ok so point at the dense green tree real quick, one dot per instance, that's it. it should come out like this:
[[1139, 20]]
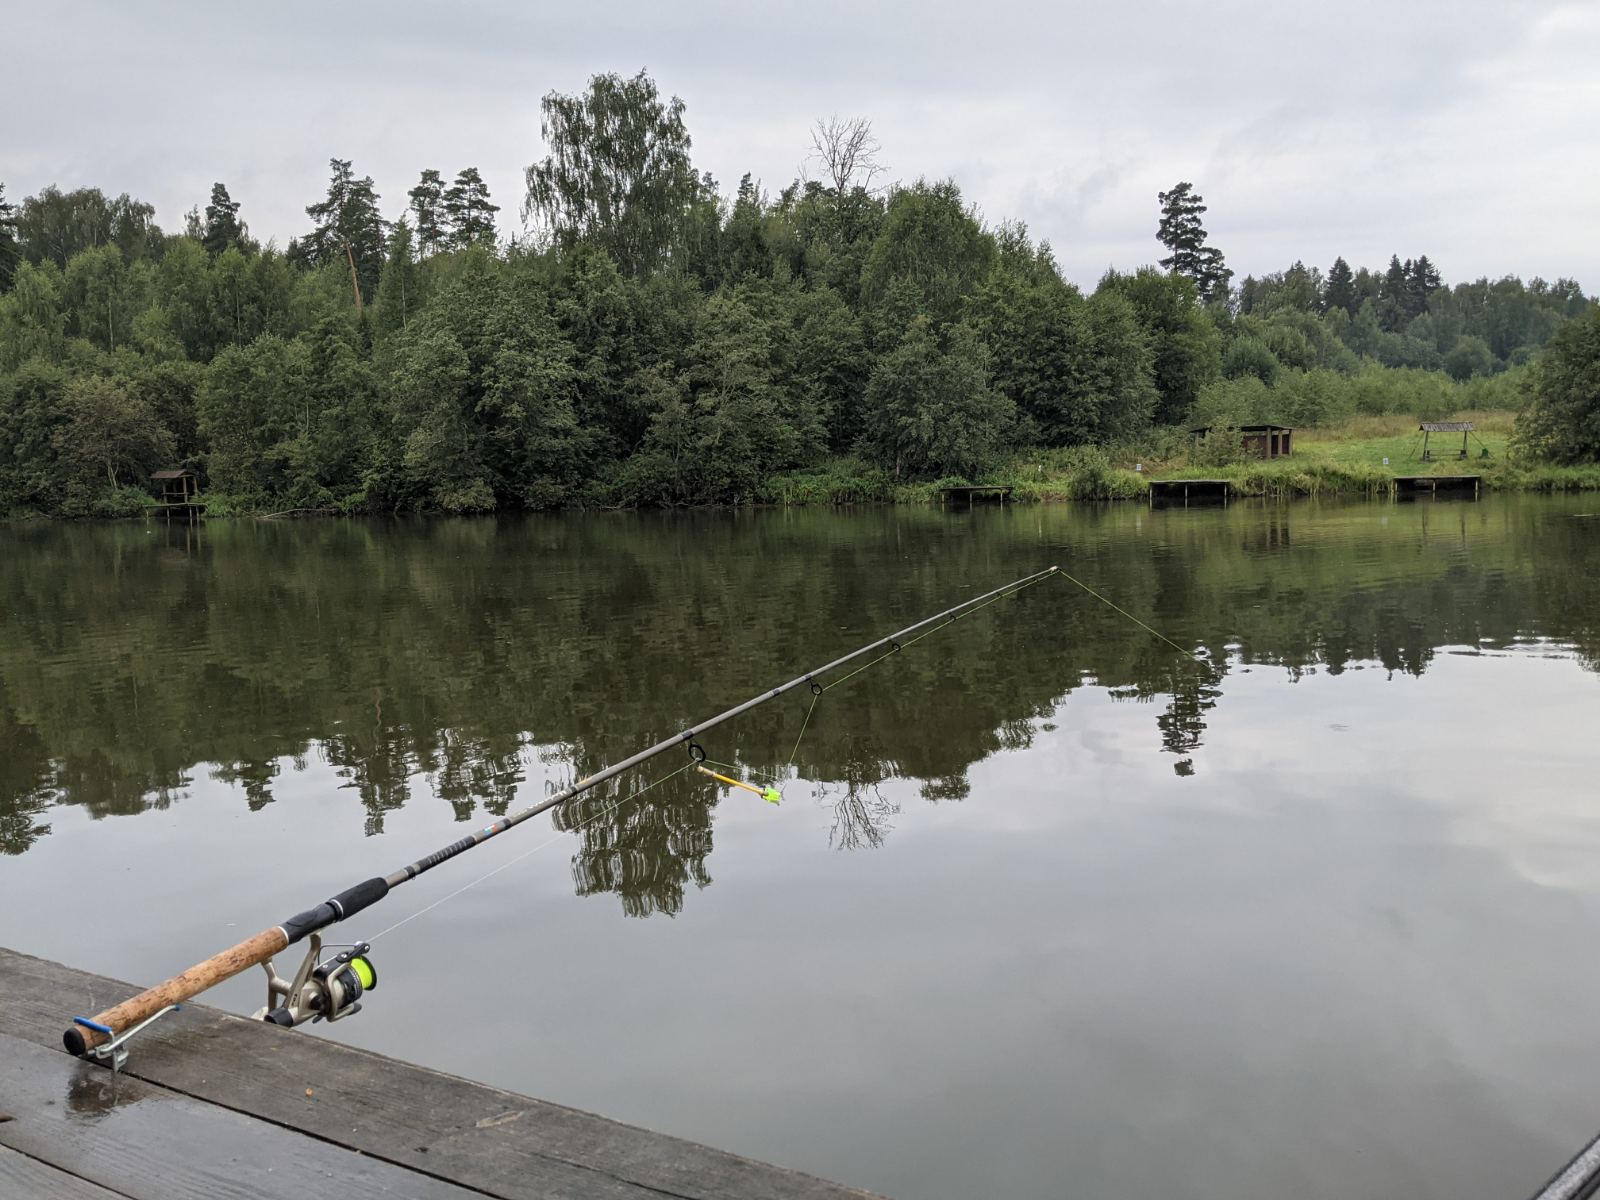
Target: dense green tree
[[1181, 232], [222, 225], [1076, 371], [246, 411], [347, 226], [1251, 355], [931, 249], [1185, 346], [171, 389], [469, 210], [1118, 368], [744, 237], [10, 253], [109, 433], [1469, 356], [824, 239], [33, 319], [31, 412], [481, 398], [724, 421], [618, 172], [831, 364], [184, 284], [236, 304], [326, 453], [56, 226], [102, 297], [402, 287], [1561, 422], [427, 205], [931, 409], [613, 328]]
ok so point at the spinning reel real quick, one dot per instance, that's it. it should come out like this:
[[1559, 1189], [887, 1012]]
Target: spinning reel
[[320, 991]]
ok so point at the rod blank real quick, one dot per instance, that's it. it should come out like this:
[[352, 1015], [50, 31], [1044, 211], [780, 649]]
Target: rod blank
[[79, 1039]]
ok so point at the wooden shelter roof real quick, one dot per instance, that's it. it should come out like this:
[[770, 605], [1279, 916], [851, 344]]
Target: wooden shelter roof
[[1446, 427], [1248, 428], [174, 475]]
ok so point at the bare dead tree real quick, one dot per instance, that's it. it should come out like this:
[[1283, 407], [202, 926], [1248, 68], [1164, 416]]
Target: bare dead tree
[[846, 153], [861, 817]]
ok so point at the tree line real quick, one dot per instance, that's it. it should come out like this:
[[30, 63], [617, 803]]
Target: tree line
[[654, 341]]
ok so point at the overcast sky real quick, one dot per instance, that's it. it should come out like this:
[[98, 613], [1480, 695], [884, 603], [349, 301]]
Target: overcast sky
[[1468, 130]]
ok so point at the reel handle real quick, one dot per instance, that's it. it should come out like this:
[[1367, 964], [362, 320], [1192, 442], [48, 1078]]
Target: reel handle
[[80, 1039]]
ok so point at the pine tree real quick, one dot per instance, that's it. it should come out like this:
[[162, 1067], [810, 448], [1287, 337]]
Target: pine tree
[[1214, 275], [427, 202], [222, 228], [1182, 233], [1341, 290], [348, 226], [467, 207]]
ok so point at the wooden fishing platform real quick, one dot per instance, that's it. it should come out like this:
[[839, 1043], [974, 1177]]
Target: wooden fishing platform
[[179, 512], [215, 1105], [1432, 485], [1183, 491], [965, 495]]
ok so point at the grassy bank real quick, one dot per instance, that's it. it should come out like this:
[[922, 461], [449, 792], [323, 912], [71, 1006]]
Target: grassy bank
[[1361, 456], [1358, 457]]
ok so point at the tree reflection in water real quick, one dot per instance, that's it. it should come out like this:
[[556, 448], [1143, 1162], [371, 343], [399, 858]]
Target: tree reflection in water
[[479, 655]]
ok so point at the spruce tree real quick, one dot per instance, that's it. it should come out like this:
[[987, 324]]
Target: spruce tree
[[348, 218], [1394, 295], [1182, 233], [427, 203], [467, 207], [221, 228], [1422, 279], [1341, 290]]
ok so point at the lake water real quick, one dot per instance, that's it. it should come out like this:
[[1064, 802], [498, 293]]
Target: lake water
[[1048, 909]]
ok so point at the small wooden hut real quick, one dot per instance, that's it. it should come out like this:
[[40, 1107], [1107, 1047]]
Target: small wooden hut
[[1264, 441], [180, 491], [177, 487], [1429, 428]]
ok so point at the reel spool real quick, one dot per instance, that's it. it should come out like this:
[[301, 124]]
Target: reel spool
[[320, 991]]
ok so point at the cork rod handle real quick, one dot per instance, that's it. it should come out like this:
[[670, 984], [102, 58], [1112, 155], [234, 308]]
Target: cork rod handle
[[80, 1039]]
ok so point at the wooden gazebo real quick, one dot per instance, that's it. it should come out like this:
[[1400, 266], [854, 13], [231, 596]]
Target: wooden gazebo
[[180, 491]]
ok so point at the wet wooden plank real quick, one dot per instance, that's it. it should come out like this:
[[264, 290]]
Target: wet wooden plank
[[148, 1143], [23, 1176], [498, 1143]]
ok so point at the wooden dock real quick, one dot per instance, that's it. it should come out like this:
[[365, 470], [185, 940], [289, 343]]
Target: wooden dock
[[1433, 485], [1186, 491], [214, 1105], [966, 495], [180, 512]]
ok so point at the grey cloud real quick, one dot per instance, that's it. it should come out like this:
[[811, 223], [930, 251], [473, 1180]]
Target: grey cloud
[[1359, 128]]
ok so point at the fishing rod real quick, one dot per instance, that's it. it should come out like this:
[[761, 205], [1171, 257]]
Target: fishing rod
[[332, 989]]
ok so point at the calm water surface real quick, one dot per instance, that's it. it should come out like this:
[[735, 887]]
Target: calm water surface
[[1047, 910]]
